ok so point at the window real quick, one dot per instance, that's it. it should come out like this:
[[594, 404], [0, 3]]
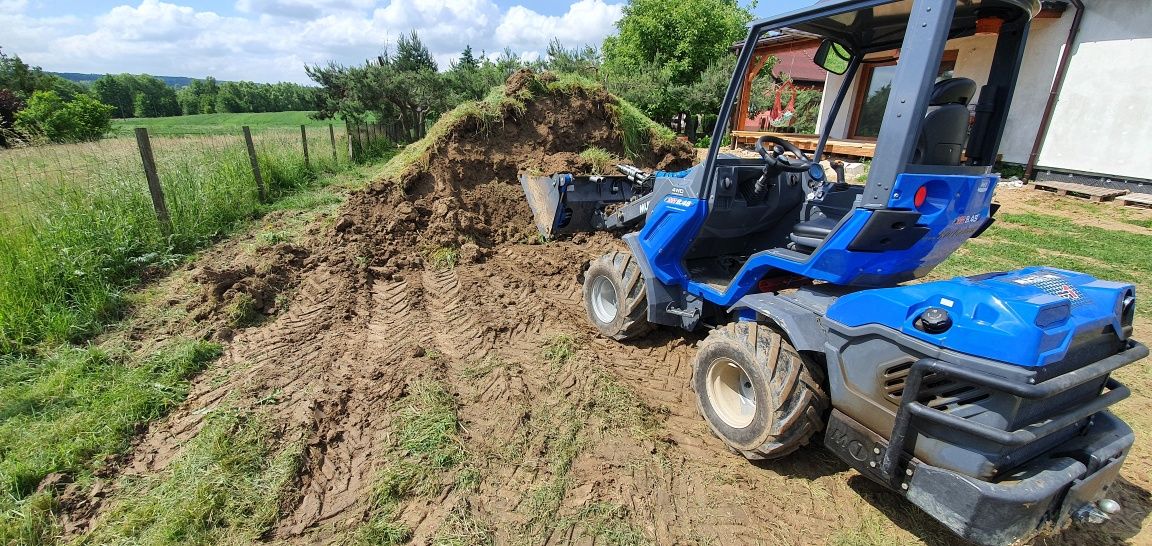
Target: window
[[872, 95]]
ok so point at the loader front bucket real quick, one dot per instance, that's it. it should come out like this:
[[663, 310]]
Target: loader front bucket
[[563, 203], [545, 199]]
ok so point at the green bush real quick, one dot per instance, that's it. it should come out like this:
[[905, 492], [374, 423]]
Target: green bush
[[52, 118]]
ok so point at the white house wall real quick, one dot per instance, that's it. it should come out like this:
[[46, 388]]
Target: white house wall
[[1045, 42], [1101, 122]]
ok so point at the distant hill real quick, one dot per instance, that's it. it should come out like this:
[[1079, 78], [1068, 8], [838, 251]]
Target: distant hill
[[85, 79]]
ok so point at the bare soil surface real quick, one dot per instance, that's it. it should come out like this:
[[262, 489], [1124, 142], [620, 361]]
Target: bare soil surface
[[358, 311]]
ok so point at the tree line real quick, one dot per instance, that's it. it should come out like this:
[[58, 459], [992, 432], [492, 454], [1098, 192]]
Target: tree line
[[144, 96], [687, 69], [36, 105]]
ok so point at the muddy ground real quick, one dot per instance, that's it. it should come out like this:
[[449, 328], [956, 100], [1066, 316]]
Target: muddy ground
[[439, 277]]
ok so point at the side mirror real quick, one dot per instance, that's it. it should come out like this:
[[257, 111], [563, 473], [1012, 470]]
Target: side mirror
[[833, 57]]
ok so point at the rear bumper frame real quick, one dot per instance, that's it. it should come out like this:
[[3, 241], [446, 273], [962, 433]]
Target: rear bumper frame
[[904, 429], [1042, 494]]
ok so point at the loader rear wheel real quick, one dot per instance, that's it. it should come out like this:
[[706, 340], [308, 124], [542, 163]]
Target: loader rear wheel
[[615, 298], [756, 391]]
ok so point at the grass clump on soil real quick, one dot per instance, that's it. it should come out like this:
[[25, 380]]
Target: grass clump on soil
[[464, 528], [600, 161], [610, 407], [226, 488], [427, 452], [444, 257], [562, 444], [558, 350], [639, 131], [68, 413], [607, 523], [77, 228], [485, 112]]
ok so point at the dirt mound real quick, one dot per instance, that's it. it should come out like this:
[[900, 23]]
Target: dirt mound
[[245, 293]]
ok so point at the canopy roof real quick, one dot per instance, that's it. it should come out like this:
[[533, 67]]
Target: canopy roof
[[878, 25]]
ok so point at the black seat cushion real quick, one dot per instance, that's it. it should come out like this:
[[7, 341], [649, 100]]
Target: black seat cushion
[[817, 228]]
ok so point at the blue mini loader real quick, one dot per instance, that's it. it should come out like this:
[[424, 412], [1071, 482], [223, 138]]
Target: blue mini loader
[[982, 400]]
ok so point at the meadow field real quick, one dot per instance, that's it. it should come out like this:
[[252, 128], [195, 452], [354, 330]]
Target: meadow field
[[223, 124]]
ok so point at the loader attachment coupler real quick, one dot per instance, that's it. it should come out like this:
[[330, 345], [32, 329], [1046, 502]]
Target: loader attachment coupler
[[565, 203]]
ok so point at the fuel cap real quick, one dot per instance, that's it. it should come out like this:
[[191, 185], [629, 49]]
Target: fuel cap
[[933, 320]]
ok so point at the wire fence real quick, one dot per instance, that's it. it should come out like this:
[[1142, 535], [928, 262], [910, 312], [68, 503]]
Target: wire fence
[[80, 221]]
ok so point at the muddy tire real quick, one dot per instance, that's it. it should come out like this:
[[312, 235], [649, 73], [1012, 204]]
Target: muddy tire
[[757, 392], [615, 298]]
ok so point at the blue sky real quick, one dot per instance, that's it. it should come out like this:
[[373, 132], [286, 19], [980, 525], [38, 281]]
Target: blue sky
[[271, 40]]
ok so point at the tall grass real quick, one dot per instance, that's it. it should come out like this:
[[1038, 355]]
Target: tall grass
[[77, 225], [68, 412]]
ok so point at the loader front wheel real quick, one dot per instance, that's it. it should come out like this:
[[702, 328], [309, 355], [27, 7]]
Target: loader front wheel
[[615, 298], [756, 391]]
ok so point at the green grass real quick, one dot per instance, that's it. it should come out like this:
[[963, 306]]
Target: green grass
[[639, 131], [444, 257], [558, 350], [78, 228], [600, 161], [224, 124], [607, 523], [1017, 240], [428, 456], [69, 412], [226, 488], [1142, 223]]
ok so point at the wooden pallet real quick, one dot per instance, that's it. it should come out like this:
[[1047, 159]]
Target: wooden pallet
[[1093, 193], [1138, 200]]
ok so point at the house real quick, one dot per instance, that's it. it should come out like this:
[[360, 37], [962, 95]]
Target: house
[[1096, 128]]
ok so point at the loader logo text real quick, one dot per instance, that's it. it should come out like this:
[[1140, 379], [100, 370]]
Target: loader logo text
[[677, 201]]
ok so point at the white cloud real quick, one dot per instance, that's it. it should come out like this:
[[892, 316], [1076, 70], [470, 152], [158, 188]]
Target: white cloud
[[586, 22], [271, 40], [13, 6], [301, 9]]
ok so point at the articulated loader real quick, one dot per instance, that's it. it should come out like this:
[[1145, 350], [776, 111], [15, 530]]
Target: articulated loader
[[982, 400]]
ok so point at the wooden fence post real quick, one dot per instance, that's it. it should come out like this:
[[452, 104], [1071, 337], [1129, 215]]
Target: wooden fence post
[[154, 188], [304, 141], [332, 137], [255, 163], [348, 134]]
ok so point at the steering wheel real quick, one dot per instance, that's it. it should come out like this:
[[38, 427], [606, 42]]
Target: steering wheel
[[775, 159]]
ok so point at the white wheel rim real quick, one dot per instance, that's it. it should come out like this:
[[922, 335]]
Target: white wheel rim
[[604, 302], [731, 394]]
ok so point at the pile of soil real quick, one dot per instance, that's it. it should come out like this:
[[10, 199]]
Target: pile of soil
[[463, 195]]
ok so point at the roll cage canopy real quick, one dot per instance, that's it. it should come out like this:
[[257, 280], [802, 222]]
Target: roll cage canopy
[[869, 26], [920, 29]]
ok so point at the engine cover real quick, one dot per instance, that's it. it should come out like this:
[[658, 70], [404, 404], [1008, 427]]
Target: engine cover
[[1032, 317]]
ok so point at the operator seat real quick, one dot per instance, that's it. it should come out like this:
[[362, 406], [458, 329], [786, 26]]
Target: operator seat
[[942, 137], [945, 128]]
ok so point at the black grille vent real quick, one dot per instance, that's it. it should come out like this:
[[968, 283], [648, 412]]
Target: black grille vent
[[936, 392]]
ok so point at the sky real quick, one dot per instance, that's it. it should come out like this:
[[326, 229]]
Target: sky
[[272, 40]]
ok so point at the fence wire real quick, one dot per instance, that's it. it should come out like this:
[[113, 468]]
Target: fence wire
[[40, 183]]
